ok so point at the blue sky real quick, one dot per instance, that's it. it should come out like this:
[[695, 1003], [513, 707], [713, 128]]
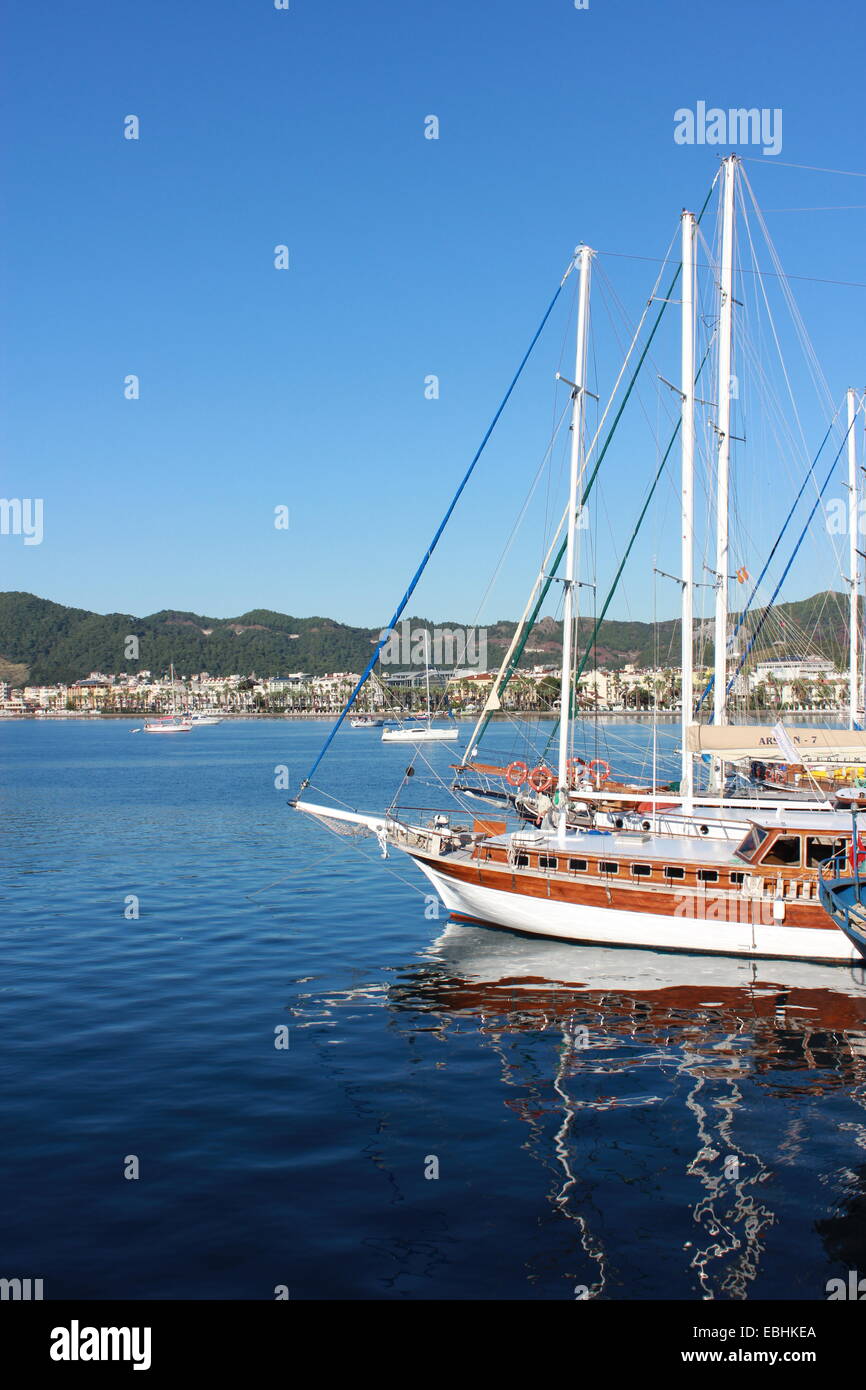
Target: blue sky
[[408, 257]]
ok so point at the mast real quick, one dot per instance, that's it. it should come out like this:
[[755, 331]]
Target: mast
[[584, 259], [854, 563], [687, 388], [427, 670], [723, 427]]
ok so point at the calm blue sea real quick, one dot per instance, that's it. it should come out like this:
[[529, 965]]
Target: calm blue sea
[[459, 1112]]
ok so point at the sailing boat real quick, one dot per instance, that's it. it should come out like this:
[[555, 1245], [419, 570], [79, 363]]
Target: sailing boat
[[423, 731], [173, 723], [752, 891], [723, 810]]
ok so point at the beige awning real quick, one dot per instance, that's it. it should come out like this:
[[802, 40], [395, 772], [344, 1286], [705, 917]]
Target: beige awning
[[733, 741]]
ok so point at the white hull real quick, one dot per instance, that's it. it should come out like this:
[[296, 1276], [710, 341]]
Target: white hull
[[166, 728], [610, 927], [421, 735]]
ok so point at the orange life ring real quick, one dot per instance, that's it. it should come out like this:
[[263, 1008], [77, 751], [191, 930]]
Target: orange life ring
[[541, 779], [516, 773], [860, 856], [599, 763]]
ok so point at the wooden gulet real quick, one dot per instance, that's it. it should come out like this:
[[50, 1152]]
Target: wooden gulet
[[750, 891]]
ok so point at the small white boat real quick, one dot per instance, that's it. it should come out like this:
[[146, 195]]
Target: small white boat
[[364, 721], [173, 723], [199, 717], [418, 728], [422, 733]]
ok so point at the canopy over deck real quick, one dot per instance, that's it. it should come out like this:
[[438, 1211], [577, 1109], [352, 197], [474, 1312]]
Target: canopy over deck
[[734, 741]]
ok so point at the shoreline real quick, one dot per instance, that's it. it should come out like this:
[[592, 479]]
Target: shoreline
[[630, 716]]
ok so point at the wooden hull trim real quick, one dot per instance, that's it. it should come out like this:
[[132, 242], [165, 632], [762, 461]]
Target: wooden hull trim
[[610, 926]]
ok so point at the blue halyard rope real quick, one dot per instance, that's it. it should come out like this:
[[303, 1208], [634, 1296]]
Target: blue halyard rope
[[435, 541]]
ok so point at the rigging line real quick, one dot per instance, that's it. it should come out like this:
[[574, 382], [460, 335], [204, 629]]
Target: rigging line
[[813, 168], [512, 662], [778, 541], [613, 587], [793, 308], [522, 513], [831, 207], [756, 634], [435, 541], [813, 279], [812, 363]]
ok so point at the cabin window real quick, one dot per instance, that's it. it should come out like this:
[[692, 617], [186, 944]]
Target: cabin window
[[522, 861], [674, 871], [708, 875], [756, 837], [606, 867], [547, 861], [737, 878], [785, 850], [820, 848], [577, 865], [641, 870]]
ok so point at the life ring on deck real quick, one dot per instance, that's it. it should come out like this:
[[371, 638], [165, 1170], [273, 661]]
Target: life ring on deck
[[599, 763], [541, 779], [858, 857], [516, 773]]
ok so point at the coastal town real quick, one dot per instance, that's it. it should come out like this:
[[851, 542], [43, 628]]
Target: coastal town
[[808, 684]]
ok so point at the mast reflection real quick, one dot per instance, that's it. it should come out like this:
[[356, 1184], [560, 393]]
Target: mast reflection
[[671, 1038]]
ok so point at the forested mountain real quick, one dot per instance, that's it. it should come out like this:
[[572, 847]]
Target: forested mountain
[[43, 642]]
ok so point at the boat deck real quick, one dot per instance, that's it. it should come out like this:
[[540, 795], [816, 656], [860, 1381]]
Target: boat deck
[[681, 848]]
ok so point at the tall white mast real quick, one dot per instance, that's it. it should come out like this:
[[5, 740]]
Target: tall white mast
[[584, 260], [724, 440], [427, 670], [854, 564], [687, 388]]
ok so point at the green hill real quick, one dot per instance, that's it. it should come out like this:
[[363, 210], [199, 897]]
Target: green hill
[[43, 642]]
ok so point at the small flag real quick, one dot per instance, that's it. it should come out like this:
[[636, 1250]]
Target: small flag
[[742, 574]]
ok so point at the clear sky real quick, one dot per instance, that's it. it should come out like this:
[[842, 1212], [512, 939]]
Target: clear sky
[[407, 257]]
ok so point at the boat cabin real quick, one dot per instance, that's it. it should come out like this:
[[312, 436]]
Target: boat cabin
[[785, 848]]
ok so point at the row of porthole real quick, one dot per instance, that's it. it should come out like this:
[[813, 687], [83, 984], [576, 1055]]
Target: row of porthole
[[609, 867], [648, 825]]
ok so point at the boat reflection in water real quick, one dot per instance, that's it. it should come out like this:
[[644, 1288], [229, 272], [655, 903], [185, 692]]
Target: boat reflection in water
[[689, 1110]]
